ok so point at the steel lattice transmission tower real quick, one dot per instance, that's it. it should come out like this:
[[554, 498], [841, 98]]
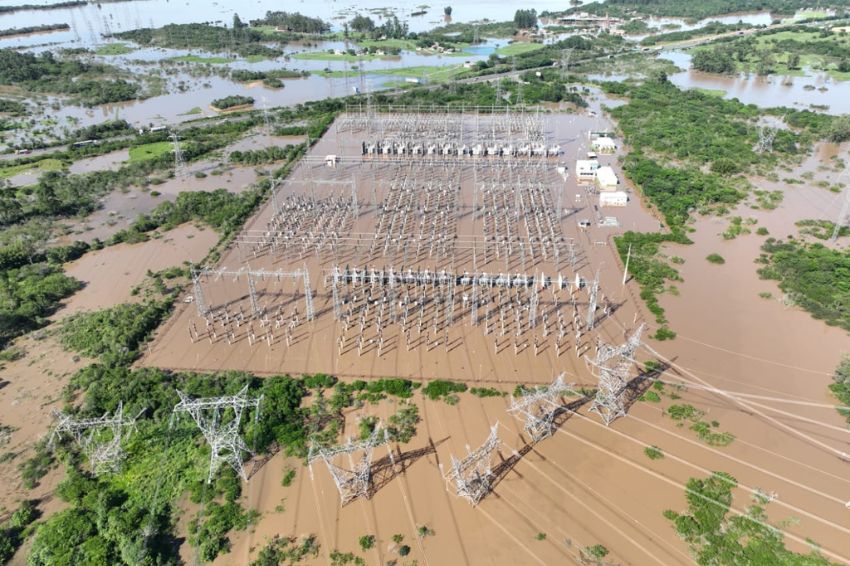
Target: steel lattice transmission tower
[[841, 221], [179, 161], [766, 136], [566, 55], [591, 306], [540, 406], [353, 478], [471, 476], [103, 449], [222, 433], [267, 120], [612, 367]]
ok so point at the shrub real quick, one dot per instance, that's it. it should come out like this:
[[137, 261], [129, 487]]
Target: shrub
[[402, 425], [487, 392], [683, 412], [716, 259], [404, 550], [367, 542], [596, 552], [651, 396], [653, 452], [441, 388]]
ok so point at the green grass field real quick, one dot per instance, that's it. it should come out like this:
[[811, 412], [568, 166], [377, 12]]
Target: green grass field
[[114, 49], [325, 56], [42, 166], [214, 60], [433, 73], [406, 44], [518, 48], [710, 91], [149, 151]]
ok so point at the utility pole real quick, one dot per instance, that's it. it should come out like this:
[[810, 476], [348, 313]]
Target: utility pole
[[626, 269]]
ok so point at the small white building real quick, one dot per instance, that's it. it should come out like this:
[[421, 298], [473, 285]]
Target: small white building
[[586, 169], [606, 178], [604, 144], [613, 198]]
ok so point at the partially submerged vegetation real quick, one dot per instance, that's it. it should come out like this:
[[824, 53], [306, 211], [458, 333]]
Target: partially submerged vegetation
[[784, 51], [86, 82], [243, 41], [692, 11], [235, 101], [812, 276], [692, 150], [715, 537]]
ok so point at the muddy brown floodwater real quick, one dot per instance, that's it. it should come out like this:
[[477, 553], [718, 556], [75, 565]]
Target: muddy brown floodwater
[[588, 484], [30, 388], [109, 274]]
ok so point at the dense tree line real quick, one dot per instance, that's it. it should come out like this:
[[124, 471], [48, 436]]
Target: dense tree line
[[243, 41], [293, 22], [9, 32], [698, 10], [265, 155], [711, 28], [51, 6]]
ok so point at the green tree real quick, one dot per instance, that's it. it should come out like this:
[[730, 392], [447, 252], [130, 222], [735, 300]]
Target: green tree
[[839, 130], [363, 24], [525, 19], [794, 61], [715, 60]]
